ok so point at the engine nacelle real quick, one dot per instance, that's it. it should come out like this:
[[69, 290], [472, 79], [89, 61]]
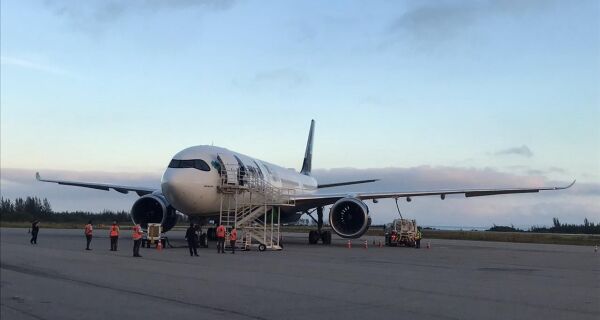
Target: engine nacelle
[[349, 218], [154, 208]]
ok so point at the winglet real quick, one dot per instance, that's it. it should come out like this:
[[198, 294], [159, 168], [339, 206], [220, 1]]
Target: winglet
[[37, 176], [307, 164], [567, 187]]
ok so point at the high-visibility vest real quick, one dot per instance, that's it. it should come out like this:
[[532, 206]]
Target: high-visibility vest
[[114, 231], [419, 235], [233, 235], [88, 229], [220, 232], [137, 232]]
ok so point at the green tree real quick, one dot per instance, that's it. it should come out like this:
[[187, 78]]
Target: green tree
[[46, 207], [556, 222], [6, 206]]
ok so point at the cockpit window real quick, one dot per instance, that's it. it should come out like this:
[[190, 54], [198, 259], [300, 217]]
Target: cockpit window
[[174, 163], [195, 163], [186, 163], [201, 165]]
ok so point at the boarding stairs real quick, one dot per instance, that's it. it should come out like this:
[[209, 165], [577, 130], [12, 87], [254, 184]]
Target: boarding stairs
[[253, 205]]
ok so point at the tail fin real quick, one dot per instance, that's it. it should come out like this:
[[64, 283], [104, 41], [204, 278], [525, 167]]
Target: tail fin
[[307, 164]]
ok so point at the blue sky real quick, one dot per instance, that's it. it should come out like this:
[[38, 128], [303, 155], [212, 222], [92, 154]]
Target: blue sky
[[115, 86]]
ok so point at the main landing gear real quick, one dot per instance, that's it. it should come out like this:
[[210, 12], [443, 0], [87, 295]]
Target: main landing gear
[[315, 235]]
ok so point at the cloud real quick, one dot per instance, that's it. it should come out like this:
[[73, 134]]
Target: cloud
[[571, 206], [550, 171], [31, 65], [436, 22], [92, 15], [519, 151]]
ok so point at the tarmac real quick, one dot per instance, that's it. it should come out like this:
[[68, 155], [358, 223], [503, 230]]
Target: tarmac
[[58, 279]]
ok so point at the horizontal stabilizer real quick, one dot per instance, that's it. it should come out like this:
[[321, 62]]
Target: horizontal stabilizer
[[331, 185]]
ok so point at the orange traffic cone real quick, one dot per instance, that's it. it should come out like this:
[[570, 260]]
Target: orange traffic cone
[[366, 244], [159, 245], [349, 245], [428, 245]]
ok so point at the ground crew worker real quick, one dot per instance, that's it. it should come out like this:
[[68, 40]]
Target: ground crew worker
[[221, 239], [114, 236], [418, 238], [137, 240], [35, 228], [192, 239], [232, 239], [88, 234]]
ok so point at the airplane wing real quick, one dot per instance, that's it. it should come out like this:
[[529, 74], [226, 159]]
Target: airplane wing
[[345, 183], [316, 200], [100, 186]]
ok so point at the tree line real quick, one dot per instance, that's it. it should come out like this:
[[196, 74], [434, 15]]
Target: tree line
[[33, 208], [557, 227]]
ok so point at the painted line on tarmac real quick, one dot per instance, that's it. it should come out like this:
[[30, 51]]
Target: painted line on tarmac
[[29, 314], [42, 274]]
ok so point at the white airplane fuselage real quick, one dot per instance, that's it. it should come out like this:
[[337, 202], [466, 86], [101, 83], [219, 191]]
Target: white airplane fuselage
[[195, 192]]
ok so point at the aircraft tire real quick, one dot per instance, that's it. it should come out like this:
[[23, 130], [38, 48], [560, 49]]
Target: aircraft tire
[[313, 237], [326, 237]]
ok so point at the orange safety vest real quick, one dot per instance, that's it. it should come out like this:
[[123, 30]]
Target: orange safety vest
[[233, 235], [221, 232], [137, 232], [114, 231], [88, 229]]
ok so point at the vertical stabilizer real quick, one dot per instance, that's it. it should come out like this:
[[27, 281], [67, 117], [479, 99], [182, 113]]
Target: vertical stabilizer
[[307, 164]]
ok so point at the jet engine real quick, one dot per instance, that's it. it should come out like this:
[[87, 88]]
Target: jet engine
[[154, 208], [349, 218]]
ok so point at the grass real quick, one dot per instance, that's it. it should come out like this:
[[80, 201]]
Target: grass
[[520, 237]]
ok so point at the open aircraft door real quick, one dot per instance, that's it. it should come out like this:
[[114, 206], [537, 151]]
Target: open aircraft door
[[231, 166]]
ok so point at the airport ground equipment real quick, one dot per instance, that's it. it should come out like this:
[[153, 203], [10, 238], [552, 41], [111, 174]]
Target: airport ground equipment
[[251, 204], [401, 232], [154, 235]]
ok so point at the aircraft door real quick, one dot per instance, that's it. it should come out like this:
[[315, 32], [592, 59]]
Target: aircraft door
[[230, 168], [243, 172]]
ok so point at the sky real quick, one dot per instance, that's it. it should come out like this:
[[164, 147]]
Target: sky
[[422, 94]]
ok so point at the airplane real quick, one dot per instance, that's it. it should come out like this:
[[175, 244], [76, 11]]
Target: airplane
[[190, 185]]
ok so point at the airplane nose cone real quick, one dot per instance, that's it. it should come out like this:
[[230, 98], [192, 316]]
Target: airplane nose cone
[[178, 191]]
